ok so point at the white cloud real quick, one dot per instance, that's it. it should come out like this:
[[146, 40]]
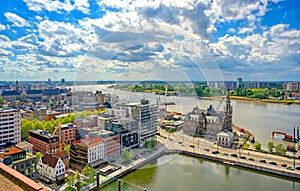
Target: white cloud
[[16, 20], [5, 42], [245, 31], [5, 52], [57, 6], [2, 27]]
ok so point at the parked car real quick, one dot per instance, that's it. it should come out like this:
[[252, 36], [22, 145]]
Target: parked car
[[297, 167], [283, 165], [263, 161], [206, 149], [225, 154], [289, 168], [233, 155], [273, 163], [242, 157], [215, 152], [252, 159]]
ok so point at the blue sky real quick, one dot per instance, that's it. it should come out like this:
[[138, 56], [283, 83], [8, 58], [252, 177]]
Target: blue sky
[[150, 40]]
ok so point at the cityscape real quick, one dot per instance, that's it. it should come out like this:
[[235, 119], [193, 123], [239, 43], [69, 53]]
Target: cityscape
[[149, 95]]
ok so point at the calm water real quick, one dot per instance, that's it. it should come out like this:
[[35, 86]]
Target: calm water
[[259, 118], [184, 173]]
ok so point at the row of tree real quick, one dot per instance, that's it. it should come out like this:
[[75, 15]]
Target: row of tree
[[277, 149], [27, 125]]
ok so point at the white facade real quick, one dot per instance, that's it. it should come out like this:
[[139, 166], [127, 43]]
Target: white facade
[[51, 172], [10, 128], [225, 139], [96, 152]]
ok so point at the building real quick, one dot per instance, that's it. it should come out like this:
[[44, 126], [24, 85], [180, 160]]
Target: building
[[19, 160], [11, 95], [43, 142], [34, 95], [51, 169], [225, 139], [13, 180], [210, 121], [24, 145], [87, 151], [10, 128], [66, 134], [292, 86], [39, 114], [146, 115], [112, 146], [239, 82]]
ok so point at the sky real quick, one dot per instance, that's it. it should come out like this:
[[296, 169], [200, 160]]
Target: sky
[[150, 40]]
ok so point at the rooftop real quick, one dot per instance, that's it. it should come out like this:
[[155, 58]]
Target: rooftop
[[12, 150], [50, 160], [23, 145]]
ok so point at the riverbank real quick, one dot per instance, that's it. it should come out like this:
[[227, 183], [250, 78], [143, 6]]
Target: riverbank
[[287, 102], [256, 166]]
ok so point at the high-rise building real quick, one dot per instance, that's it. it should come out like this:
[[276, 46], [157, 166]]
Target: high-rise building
[[147, 116], [239, 82], [10, 129]]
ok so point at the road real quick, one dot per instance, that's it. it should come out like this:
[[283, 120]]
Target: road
[[204, 146]]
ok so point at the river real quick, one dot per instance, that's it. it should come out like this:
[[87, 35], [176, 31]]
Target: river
[[185, 173], [260, 118]]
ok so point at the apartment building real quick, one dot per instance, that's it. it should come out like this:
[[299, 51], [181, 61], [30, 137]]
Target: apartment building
[[20, 160], [43, 142], [87, 151], [10, 128]]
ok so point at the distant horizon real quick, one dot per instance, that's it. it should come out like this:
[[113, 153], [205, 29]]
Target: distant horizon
[[58, 81]]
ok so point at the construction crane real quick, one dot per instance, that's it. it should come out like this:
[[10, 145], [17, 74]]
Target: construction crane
[[58, 129], [165, 103]]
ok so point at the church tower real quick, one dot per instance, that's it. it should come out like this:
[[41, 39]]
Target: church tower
[[228, 114]]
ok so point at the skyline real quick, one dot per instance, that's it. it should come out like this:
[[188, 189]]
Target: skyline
[[148, 40]]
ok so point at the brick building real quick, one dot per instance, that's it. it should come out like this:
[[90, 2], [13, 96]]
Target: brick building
[[43, 142]]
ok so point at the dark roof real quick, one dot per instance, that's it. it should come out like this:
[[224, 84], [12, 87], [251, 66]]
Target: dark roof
[[34, 92], [62, 155], [50, 160], [10, 93]]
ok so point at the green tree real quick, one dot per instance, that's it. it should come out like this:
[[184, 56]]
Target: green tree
[[279, 149], [67, 149], [38, 156], [70, 180], [258, 146], [86, 170], [271, 146], [153, 144], [127, 155]]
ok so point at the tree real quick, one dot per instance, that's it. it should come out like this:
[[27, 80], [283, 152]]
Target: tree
[[38, 156], [279, 149], [86, 170], [67, 149], [258, 146], [127, 155], [270, 146], [153, 144], [70, 182]]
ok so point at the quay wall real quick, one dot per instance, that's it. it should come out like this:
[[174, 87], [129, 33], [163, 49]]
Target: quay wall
[[240, 163]]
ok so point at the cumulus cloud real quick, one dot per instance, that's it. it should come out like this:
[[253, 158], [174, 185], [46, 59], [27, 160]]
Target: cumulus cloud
[[5, 52], [57, 6], [15, 19]]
